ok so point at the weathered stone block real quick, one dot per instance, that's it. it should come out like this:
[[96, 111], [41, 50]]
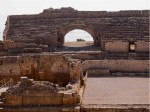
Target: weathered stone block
[[13, 100], [67, 99], [98, 72], [142, 46], [117, 46]]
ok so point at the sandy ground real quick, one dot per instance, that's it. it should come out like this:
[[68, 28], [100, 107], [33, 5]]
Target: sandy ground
[[78, 44], [122, 90]]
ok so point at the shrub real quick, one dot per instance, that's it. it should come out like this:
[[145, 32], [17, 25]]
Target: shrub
[[78, 40]]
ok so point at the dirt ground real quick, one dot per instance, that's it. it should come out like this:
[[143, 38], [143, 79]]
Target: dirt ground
[[119, 90], [78, 44]]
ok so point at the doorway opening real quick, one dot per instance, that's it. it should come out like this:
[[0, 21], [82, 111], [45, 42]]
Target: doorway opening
[[132, 46], [78, 38]]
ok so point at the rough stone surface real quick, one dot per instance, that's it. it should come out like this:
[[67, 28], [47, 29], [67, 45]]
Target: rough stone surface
[[29, 92], [54, 77], [55, 68], [49, 28]]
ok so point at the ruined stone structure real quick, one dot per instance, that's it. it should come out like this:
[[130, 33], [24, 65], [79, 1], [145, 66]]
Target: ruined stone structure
[[108, 29], [56, 78]]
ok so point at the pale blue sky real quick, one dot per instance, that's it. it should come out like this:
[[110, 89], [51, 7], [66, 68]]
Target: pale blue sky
[[13, 7]]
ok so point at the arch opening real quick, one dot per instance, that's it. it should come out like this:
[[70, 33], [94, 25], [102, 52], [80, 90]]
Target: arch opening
[[78, 38]]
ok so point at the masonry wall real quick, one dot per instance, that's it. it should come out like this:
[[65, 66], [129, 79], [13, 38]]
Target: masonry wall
[[118, 65], [124, 46], [59, 69], [15, 67], [9, 70], [54, 68], [50, 27], [29, 92], [117, 46], [142, 46]]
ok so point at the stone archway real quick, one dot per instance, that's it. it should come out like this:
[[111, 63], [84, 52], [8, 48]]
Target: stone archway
[[78, 38], [62, 31]]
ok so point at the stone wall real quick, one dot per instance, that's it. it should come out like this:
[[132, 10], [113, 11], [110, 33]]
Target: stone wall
[[50, 27], [118, 65], [124, 46], [61, 70], [29, 92], [117, 46], [98, 72], [142, 46], [43, 109], [109, 55], [9, 47], [15, 67], [55, 68]]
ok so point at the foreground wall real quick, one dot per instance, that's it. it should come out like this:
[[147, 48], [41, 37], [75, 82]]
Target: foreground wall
[[118, 65], [59, 69], [54, 68], [29, 92]]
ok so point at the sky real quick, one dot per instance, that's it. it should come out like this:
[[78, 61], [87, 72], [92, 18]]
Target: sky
[[13, 7], [73, 35]]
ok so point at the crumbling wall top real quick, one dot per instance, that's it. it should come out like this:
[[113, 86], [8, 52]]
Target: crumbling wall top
[[63, 9]]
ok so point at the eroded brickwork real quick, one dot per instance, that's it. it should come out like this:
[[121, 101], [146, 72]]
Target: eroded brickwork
[[54, 68], [53, 80], [50, 27], [29, 92]]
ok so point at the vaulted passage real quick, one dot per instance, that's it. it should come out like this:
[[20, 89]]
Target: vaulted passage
[[78, 38]]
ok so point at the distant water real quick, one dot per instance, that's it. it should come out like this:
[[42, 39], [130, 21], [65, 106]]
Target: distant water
[[72, 36]]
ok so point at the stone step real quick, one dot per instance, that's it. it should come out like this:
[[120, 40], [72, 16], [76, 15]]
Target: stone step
[[31, 45], [144, 56], [25, 41], [115, 108], [31, 50]]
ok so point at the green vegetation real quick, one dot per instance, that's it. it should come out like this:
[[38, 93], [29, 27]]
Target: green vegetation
[[78, 40]]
